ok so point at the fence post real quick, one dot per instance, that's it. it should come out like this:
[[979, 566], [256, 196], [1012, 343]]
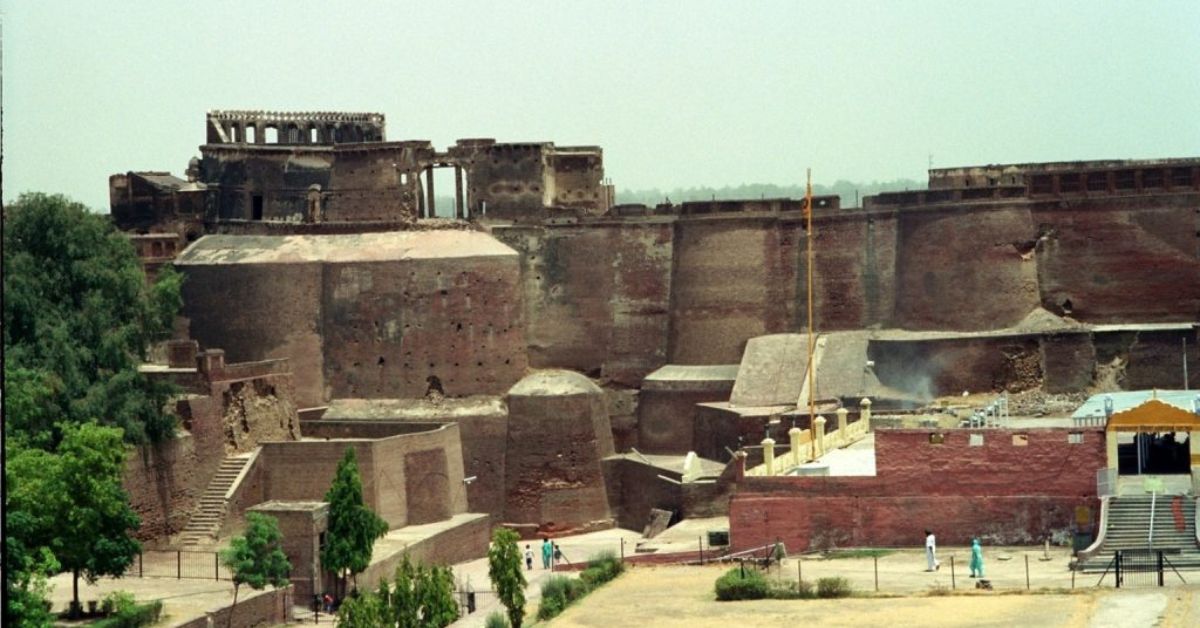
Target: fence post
[[178, 565], [952, 584], [877, 574], [216, 566], [622, 550], [1118, 574], [1027, 572], [140, 565], [1073, 579], [700, 543], [799, 573]]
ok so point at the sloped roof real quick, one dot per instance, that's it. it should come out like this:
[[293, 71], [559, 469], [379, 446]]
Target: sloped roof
[[342, 248]]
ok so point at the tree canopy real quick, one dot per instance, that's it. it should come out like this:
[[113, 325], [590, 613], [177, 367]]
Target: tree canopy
[[353, 527], [256, 558], [78, 317], [73, 504], [504, 570]]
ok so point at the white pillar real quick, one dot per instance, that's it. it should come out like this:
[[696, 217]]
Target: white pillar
[[819, 435], [864, 408], [843, 434], [768, 445], [794, 439]]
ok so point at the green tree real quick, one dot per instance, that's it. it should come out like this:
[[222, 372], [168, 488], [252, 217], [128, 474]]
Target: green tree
[[439, 608], [404, 605], [363, 610], [72, 503], [255, 558], [504, 570], [353, 527], [27, 559], [78, 317]]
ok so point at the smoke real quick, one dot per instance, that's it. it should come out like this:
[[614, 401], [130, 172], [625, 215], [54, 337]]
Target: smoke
[[906, 369]]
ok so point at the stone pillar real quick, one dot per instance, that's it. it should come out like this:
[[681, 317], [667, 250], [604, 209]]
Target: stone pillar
[[794, 440], [864, 408], [1110, 448], [819, 436], [430, 206], [843, 435], [458, 192], [1194, 437], [768, 445]]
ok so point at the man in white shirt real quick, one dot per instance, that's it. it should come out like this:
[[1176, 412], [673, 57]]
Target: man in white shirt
[[931, 560]]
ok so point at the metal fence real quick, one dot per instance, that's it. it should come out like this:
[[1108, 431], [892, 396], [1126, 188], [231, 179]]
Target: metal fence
[[1132, 568], [179, 564]]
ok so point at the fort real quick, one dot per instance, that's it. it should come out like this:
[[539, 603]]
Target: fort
[[586, 362]]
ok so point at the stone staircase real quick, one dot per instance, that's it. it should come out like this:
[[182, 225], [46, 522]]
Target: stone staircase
[[206, 522], [1128, 528]]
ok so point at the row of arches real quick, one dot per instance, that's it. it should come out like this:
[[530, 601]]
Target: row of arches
[[299, 133]]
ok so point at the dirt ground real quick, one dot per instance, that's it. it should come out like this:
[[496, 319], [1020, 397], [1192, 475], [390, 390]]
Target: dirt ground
[[683, 596]]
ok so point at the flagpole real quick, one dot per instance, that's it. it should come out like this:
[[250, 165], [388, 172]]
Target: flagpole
[[812, 413]]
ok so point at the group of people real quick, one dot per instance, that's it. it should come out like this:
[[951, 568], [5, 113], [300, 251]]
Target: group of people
[[551, 554], [931, 561]]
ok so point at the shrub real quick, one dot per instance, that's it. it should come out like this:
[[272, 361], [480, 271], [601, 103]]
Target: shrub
[[788, 590], [558, 593], [133, 617], [118, 602], [601, 568], [496, 620], [833, 587], [739, 584]]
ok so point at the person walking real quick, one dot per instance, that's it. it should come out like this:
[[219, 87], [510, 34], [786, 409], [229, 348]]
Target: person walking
[[976, 559], [931, 561], [547, 553], [528, 558]]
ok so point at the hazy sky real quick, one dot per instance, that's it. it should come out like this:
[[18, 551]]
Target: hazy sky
[[677, 93]]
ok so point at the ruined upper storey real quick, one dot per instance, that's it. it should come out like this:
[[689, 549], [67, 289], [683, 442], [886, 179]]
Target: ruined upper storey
[[1049, 180], [278, 172], [291, 128]]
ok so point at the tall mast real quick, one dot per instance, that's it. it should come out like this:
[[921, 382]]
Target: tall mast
[[812, 413]]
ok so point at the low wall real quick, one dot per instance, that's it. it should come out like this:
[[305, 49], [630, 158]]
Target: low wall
[[271, 607], [465, 541], [163, 481], [1005, 486]]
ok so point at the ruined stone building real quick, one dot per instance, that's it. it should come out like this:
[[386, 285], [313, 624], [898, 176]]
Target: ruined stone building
[[537, 315]]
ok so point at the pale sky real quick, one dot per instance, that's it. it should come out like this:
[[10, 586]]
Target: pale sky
[[677, 93]]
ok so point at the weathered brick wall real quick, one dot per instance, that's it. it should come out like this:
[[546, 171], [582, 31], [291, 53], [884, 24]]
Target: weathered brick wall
[[558, 433], [1121, 259], [729, 284], [388, 327], [949, 276], [304, 470], [163, 482], [635, 487], [260, 311], [1004, 492], [270, 607], [596, 296]]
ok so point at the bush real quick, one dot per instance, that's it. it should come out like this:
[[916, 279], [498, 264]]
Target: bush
[[133, 617], [118, 602], [739, 584], [496, 619], [558, 593], [601, 568], [787, 590], [833, 587]]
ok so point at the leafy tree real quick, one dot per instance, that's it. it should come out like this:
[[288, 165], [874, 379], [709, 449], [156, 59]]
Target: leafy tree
[[72, 503], [78, 317], [364, 610], [423, 597], [504, 570], [256, 558], [353, 527], [26, 567], [439, 607]]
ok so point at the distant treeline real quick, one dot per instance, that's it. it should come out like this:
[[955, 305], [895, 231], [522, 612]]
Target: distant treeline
[[847, 190]]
